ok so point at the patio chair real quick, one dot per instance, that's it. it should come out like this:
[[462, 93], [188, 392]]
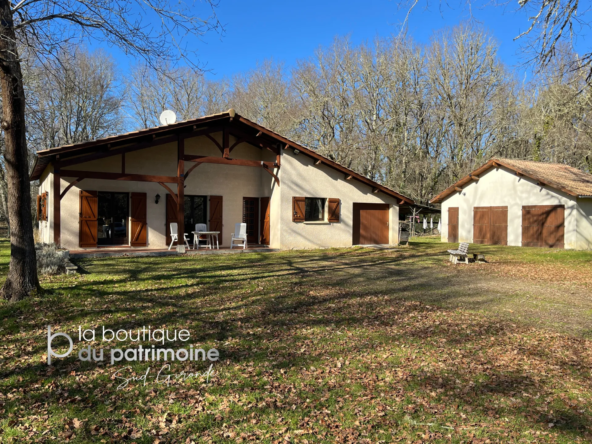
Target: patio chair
[[200, 227], [175, 237], [240, 235]]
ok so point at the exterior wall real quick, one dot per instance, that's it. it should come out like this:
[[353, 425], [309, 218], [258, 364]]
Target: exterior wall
[[298, 177], [502, 187], [584, 224], [301, 177], [231, 182]]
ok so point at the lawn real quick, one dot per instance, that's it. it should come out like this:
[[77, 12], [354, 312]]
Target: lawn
[[344, 345]]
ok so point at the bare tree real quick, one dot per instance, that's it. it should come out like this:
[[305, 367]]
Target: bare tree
[[553, 23], [143, 28]]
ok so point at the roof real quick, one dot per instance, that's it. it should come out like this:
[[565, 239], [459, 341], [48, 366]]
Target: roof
[[45, 157], [561, 177]]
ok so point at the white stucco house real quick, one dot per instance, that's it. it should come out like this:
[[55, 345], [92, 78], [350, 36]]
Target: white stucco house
[[125, 191], [519, 203]]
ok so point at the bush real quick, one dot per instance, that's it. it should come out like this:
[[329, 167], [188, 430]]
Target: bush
[[50, 260]]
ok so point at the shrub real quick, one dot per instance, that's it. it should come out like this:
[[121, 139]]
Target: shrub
[[50, 260]]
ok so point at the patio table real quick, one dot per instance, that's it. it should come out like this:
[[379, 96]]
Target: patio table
[[210, 237]]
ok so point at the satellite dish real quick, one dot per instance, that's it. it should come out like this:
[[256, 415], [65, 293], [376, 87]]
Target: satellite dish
[[167, 117]]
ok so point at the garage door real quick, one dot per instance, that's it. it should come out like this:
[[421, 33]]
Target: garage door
[[371, 224], [543, 226], [490, 225]]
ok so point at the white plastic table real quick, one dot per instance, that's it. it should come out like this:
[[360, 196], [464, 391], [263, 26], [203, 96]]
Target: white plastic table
[[210, 237]]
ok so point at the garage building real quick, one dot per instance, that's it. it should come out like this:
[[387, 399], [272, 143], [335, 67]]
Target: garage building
[[519, 203]]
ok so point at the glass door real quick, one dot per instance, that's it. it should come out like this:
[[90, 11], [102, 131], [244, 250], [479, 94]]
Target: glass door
[[195, 212], [113, 217]]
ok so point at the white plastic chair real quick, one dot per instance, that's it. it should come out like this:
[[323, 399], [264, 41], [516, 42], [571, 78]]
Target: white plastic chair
[[175, 237], [200, 227], [240, 235]]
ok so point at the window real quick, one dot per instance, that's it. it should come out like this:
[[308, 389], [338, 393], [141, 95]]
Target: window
[[314, 209], [195, 212]]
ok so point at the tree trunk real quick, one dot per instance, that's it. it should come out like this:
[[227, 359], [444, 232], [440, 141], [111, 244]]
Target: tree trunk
[[22, 275]]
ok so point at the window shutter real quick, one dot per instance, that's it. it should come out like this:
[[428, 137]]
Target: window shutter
[[334, 210], [39, 207], [298, 209], [44, 206]]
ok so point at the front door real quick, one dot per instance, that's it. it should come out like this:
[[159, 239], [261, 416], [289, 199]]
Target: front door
[[251, 218], [265, 221]]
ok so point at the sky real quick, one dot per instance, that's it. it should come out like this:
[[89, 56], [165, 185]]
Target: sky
[[288, 30]]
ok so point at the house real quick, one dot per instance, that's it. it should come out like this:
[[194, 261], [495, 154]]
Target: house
[[519, 203], [218, 170]]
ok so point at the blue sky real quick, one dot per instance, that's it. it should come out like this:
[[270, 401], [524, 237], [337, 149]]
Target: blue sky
[[290, 30]]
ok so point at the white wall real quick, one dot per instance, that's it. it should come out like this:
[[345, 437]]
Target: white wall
[[301, 177], [501, 187], [584, 224]]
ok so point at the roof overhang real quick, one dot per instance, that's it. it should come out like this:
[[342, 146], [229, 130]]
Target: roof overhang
[[46, 157]]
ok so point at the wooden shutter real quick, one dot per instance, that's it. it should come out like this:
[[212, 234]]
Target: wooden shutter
[[139, 227], [216, 215], [298, 206], [334, 210], [453, 224], [44, 206], [265, 221], [171, 216], [89, 203]]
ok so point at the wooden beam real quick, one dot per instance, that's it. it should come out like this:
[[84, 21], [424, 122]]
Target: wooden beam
[[402, 202], [57, 223], [172, 193], [209, 136], [191, 169], [226, 143], [287, 146], [181, 193], [458, 189], [253, 140], [115, 152], [227, 161], [259, 134], [375, 190], [70, 186], [233, 146], [475, 178], [318, 162], [277, 180], [348, 177], [118, 176]]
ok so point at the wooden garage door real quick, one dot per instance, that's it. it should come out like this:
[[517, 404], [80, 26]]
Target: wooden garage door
[[453, 224], [370, 224], [490, 225], [543, 226]]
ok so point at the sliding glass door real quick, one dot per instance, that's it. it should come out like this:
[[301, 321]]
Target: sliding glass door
[[113, 217]]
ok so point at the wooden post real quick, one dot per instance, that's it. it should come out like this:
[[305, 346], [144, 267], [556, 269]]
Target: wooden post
[[56, 206], [181, 195], [225, 143]]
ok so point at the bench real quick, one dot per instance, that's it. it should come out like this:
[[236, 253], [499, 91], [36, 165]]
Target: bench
[[462, 254]]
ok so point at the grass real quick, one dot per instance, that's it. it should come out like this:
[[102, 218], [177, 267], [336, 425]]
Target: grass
[[316, 346]]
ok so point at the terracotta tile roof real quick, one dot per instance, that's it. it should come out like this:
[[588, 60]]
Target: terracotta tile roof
[[561, 177]]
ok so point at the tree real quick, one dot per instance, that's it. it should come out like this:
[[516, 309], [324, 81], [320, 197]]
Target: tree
[[553, 23], [143, 28]]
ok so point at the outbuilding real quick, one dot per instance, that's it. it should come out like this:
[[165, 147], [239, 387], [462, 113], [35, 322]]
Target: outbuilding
[[519, 203]]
